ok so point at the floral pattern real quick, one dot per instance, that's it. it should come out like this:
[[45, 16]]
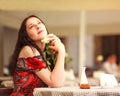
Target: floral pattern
[[25, 79]]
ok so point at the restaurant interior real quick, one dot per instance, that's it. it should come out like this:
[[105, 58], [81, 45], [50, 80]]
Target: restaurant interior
[[88, 29]]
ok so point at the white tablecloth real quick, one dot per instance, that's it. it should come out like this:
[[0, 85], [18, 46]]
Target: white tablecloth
[[76, 91]]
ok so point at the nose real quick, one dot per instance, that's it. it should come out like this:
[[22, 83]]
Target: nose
[[37, 26]]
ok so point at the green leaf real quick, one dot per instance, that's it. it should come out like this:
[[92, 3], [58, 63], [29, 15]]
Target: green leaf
[[49, 57]]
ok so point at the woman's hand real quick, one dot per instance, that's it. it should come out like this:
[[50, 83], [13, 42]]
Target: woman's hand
[[54, 78], [55, 43]]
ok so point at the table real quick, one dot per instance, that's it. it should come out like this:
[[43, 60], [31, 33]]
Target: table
[[76, 91]]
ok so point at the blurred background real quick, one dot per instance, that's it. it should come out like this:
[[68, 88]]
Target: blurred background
[[88, 28]]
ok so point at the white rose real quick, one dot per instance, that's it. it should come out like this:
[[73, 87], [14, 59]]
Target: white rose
[[45, 40]]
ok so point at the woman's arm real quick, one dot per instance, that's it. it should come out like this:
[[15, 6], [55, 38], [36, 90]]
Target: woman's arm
[[56, 77]]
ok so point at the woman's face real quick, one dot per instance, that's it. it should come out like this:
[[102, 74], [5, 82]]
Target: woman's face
[[36, 29], [113, 59]]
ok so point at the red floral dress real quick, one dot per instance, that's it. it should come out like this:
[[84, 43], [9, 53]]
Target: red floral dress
[[25, 79]]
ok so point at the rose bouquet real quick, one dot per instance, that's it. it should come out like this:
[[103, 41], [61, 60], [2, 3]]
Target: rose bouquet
[[48, 55]]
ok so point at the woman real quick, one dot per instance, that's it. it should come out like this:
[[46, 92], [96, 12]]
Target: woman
[[31, 70], [110, 64]]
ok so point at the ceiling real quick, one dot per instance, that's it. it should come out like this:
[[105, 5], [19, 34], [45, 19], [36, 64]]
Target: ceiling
[[99, 19], [58, 18], [59, 5]]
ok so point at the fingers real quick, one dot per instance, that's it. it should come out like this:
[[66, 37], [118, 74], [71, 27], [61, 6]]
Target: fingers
[[49, 38], [53, 38], [54, 42]]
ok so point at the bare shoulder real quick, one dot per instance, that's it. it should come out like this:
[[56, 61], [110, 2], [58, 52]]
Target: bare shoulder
[[26, 51]]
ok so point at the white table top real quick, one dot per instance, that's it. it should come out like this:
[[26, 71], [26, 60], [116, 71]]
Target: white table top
[[76, 91]]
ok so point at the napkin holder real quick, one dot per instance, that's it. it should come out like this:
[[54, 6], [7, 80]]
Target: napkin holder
[[108, 80]]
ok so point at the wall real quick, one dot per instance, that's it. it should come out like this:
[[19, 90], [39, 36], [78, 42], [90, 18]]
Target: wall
[[72, 48], [90, 50], [1, 50], [9, 41]]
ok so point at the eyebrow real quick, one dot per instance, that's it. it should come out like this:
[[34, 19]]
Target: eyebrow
[[29, 25], [32, 23]]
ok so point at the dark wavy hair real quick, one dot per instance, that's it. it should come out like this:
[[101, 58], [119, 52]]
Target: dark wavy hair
[[23, 40]]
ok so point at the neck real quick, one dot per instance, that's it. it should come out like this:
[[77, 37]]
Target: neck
[[40, 45]]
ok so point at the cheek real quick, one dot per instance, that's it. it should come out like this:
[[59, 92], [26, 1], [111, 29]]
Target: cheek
[[31, 35]]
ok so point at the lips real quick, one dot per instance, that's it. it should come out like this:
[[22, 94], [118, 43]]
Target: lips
[[40, 31]]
